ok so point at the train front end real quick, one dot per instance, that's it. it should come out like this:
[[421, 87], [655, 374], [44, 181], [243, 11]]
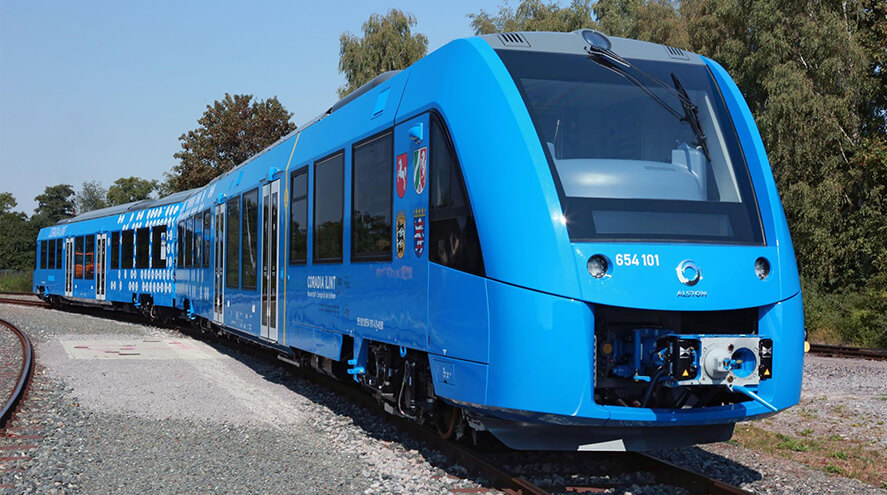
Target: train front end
[[658, 302]]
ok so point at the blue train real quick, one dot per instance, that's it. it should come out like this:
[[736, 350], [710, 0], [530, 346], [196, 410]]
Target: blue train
[[571, 241]]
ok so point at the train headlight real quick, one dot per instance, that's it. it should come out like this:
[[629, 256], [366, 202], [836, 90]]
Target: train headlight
[[598, 266], [762, 268]]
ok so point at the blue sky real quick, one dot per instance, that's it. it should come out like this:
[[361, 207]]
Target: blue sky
[[102, 90]]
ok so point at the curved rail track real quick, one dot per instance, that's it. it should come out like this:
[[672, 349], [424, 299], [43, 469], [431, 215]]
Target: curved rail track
[[24, 372]]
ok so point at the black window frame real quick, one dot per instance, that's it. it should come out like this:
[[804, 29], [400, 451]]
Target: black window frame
[[158, 246], [293, 260], [115, 251], [373, 256], [232, 239], [143, 248], [41, 254], [315, 257], [127, 249], [250, 245]]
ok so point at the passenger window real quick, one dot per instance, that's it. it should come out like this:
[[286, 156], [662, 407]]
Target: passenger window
[[143, 253], [371, 177], [115, 250], [454, 240], [207, 229], [249, 262], [198, 242], [180, 245], [126, 249], [299, 217], [89, 257], [58, 253], [50, 254], [328, 199], [232, 243], [189, 242], [78, 257], [43, 256], [158, 247]]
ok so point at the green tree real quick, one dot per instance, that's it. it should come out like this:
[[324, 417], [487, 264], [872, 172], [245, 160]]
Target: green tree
[[7, 203], [92, 196], [230, 131], [56, 203], [129, 189], [388, 43], [534, 15], [16, 236]]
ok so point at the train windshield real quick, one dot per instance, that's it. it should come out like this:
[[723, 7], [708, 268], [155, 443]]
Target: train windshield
[[637, 160]]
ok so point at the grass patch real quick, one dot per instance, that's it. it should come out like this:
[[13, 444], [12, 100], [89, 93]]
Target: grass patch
[[16, 281], [833, 454], [788, 443], [831, 468]]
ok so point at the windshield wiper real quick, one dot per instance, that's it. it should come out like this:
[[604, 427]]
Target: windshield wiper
[[690, 115]]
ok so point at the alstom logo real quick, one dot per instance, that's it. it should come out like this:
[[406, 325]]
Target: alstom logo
[[688, 273]]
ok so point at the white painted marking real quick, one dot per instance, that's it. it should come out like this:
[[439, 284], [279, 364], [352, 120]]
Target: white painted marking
[[133, 349], [610, 445]]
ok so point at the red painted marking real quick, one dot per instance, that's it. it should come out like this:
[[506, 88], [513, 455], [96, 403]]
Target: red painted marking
[[15, 458]]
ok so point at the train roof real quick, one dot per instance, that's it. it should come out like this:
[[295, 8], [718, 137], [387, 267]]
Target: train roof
[[575, 43], [127, 207]]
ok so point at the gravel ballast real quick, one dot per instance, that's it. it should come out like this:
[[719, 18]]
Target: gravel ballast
[[230, 422]]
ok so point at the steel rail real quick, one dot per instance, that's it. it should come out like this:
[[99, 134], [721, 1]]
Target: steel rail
[[24, 373], [23, 302], [847, 351]]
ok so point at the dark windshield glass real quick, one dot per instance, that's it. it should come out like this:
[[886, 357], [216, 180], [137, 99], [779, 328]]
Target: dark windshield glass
[[627, 162]]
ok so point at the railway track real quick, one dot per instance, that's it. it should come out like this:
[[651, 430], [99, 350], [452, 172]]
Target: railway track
[[24, 302], [15, 370], [847, 351], [512, 471]]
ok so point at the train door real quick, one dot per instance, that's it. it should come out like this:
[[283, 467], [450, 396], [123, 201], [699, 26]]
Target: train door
[[69, 267], [101, 244], [219, 265], [270, 258]]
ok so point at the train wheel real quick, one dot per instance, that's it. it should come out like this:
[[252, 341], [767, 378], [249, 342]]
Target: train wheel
[[446, 422]]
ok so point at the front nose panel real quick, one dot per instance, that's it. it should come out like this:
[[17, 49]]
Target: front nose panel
[[682, 277]]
